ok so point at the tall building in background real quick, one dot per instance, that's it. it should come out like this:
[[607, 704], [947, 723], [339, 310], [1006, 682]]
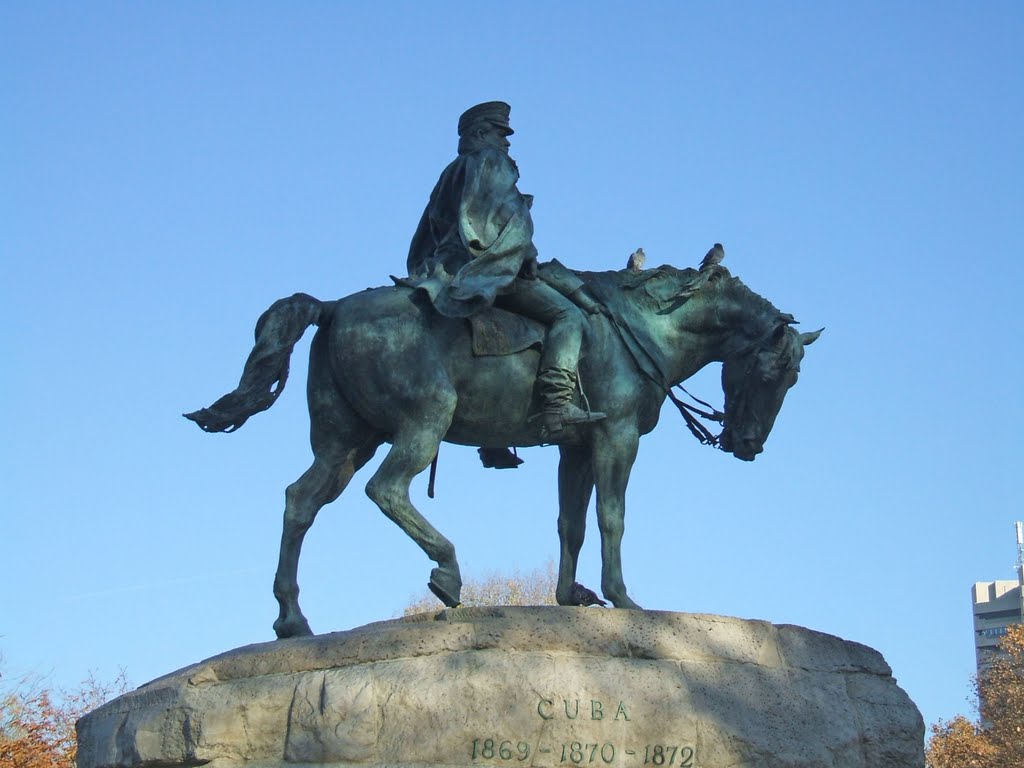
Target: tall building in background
[[997, 605]]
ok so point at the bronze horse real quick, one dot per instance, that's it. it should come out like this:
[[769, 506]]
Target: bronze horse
[[384, 367]]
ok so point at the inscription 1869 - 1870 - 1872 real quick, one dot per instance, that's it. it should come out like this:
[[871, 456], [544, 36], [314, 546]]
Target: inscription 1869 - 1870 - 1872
[[498, 749]]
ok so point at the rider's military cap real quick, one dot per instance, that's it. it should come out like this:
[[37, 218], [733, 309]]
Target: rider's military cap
[[494, 112]]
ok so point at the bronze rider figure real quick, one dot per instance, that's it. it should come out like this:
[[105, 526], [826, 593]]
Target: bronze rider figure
[[474, 248]]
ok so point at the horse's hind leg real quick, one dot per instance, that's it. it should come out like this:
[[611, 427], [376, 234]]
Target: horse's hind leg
[[414, 446], [337, 458], [322, 483], [342, 443]]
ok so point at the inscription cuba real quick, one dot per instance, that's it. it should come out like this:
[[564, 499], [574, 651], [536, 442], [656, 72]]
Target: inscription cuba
[[495, 749]]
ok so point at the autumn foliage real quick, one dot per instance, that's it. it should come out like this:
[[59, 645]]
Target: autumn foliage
[[534, 588], [37, 724], [997, 740]]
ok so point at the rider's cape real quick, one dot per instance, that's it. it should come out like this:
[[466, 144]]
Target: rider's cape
[[474, 235]]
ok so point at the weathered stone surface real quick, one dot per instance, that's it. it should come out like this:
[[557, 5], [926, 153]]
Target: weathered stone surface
[[544, 687]]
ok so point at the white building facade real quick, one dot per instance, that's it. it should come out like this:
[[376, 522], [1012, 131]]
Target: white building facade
[[997, 605]]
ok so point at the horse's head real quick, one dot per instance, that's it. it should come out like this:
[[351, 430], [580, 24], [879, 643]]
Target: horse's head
[[755, 380]]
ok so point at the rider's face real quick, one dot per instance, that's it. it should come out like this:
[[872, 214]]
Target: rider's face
[[494, 135]]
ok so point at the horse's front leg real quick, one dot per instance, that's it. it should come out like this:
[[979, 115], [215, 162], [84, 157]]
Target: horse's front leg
[[575, 486], [615, 447], [413, 447]]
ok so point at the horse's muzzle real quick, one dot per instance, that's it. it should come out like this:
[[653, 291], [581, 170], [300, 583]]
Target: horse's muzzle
[[747, 455], [743, 448]]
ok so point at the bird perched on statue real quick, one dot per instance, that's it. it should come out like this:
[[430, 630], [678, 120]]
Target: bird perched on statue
[[636, 260], [713, 258], [707, 270], [580, 595]]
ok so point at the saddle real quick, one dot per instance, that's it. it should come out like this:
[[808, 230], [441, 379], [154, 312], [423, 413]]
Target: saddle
[[495, 332], [498, 332]]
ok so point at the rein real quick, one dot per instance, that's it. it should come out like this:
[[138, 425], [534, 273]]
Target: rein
[[702, 433], [690, 412]]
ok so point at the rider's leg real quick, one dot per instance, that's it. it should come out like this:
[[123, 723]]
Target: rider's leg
[[565, 327]]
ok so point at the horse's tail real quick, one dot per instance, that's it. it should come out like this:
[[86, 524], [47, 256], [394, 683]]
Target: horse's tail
[[266, 370]]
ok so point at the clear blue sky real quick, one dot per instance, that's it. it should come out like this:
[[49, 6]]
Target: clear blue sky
[[168, 170]]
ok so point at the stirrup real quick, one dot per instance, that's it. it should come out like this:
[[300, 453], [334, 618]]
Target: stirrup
[[499, 458], [566, 414]]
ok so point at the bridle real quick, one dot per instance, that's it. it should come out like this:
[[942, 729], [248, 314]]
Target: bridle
[[690, 413]]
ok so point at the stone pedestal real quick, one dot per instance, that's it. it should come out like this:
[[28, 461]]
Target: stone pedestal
[[508, 687]]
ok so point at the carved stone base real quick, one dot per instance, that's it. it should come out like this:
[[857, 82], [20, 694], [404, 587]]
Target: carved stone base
[[509, 687]]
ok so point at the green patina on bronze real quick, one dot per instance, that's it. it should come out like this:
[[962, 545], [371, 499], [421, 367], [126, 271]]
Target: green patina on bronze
[[585, 361], [386, 368], [473, 249]]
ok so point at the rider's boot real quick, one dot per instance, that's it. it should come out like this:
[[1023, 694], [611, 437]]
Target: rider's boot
[[556, 391]]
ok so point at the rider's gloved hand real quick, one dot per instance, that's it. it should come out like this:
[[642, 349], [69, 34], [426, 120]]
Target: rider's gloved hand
[[529, 269], [582, 300]]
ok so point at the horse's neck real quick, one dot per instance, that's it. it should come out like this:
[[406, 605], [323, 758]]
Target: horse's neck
[[711, 327]]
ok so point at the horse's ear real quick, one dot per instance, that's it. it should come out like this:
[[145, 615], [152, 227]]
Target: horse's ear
[[810, 338]]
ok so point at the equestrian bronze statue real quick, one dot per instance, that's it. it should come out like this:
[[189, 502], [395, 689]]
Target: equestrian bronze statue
[[386, 368], [483, 346]]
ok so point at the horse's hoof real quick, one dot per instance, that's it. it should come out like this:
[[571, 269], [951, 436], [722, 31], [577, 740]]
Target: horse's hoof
[[292, 628], [626, 603], [580, 595], [446, 587]]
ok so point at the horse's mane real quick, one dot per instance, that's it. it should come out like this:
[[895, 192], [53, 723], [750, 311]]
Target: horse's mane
[[739, 292], [682, 284], [764, 318]]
